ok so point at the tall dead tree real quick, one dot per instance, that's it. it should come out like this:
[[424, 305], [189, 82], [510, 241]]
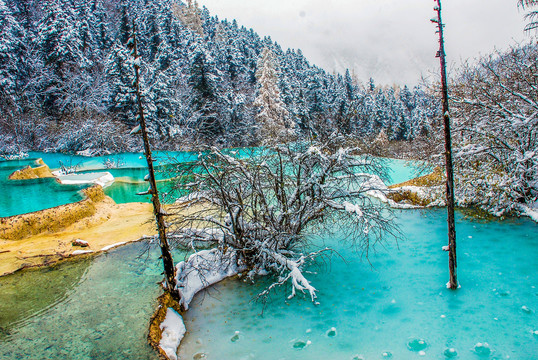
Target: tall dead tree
[[158, 210], [453, 283]]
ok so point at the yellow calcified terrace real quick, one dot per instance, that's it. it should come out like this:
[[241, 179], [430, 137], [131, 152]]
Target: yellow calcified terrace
[[45, 237]]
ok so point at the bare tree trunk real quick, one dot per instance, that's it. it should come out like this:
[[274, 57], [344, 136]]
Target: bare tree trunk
[[448, 157], [158, 210]]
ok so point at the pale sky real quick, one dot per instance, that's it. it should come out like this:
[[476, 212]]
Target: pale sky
[[392, 41]]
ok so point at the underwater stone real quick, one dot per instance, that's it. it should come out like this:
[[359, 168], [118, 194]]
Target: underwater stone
[[300, 344], [451, 353], [358, 357], [387, 354], [235, 337], [199, 356], [482, 349], [331, 332], [525, 309], [417, 344]]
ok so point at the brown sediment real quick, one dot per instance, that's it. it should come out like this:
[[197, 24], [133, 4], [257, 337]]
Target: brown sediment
[[434, 179], [98, 220], [408, 197], [19, 227], [401, 193], [154, 335], [42, 171]]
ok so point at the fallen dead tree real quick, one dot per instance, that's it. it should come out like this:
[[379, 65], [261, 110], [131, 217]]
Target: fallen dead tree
[[259, 211]]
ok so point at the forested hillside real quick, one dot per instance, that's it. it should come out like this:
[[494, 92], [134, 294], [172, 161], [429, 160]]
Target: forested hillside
[[66, 81]]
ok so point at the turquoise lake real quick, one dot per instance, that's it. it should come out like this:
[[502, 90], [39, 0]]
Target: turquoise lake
[[39, 194], [395, 304]]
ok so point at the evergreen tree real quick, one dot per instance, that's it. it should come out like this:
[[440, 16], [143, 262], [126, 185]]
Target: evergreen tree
[[272, 117], [120, 73], [204, 98], [61, 53], [11, 50], [99, 29], [190, 16]]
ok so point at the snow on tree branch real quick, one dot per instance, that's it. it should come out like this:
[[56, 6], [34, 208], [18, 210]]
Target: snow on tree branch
[[264, 206]]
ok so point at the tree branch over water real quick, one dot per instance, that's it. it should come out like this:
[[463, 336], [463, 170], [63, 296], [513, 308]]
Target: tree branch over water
[[263, 206]]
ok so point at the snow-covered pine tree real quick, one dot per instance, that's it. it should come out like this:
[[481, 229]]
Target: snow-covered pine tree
[[11, 50], [273, 123], [190, 16], [99, 30], [60, 47], [120, 73], [83, 18], [204, 99]]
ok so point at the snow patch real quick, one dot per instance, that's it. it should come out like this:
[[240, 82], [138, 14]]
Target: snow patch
[[100, 178], [80, 252], [173, 330], [202, 269], [349, 207], [106, 248], [86, 153], [530, 211]]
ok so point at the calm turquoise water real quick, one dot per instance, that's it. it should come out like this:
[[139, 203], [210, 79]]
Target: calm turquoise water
[[100, 308], [23, 196], [381, 308], [90, 309], [39, 194]]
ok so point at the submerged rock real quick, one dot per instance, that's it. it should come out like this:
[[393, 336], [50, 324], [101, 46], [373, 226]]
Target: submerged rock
[[199, 356], [387, 354], [235, 337], [300, 344], [331, 332], [482, 349], [417, 344], [80, 242], [450, 353]]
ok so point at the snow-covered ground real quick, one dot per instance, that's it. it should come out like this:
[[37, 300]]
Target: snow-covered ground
[[203, 269], [530, 211], [100, 178], [173, 330]]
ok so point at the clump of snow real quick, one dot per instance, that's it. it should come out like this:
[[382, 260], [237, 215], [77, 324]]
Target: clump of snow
[[80, 252], [349, 207], [203, 269], [86, 153], [100, 178], [173, 330], [106, 248], [530, 210]]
